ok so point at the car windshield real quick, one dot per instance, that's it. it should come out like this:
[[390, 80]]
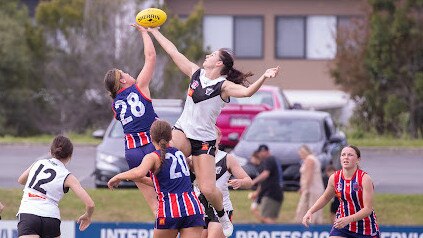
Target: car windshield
[[284, 130], [170, 116], [260, 97]]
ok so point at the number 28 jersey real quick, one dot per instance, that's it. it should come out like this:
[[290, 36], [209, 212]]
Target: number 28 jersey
[[176, 197], [44, 188], [136, 113]]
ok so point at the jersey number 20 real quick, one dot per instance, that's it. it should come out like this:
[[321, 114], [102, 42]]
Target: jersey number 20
[[137, 107], [178, 158]]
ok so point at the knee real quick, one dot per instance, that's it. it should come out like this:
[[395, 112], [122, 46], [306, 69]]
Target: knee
[[207, 190]]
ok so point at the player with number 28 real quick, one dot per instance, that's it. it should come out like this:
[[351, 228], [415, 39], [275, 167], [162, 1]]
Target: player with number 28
[[133, 107]]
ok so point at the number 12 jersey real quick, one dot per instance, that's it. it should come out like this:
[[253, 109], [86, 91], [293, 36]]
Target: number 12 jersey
[[44, 188]]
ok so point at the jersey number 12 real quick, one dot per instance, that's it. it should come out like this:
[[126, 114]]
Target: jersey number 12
[[40, 182]]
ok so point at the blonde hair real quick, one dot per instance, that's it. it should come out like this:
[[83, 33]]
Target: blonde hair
[[112, 83]]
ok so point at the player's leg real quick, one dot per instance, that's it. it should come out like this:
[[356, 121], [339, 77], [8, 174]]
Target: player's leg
[[165, 233], [180, 141], [215, 230], [149, 195], [191, 232]]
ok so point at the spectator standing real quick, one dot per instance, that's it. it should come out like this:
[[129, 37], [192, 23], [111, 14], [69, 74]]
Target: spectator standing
[[270, 193], [311, 185]]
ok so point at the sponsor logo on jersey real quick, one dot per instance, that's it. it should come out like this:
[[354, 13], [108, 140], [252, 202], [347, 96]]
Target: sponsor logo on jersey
[[356, 187], [218, 169], [205, 146], [31, 195], [162, 221], [190, 92], [195, 84], [339, 186], [209, 91]]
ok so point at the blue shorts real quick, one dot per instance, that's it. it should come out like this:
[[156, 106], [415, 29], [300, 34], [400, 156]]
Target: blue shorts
[[180, 222], [349, 234], [134, 156]]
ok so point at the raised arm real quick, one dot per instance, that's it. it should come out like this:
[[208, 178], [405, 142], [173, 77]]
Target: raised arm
[[146, 74], [24, 176], [184, 64], [230, 89], [321, 202], [85, 219], [242, 180]]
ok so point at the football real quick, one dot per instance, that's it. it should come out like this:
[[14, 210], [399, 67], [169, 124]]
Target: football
[[151, 17]]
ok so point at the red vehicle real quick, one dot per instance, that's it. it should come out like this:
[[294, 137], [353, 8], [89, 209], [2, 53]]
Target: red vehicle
[[239, 113]]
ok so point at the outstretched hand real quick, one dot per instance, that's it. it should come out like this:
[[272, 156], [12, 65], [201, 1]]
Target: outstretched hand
[[307, 219], [138, 27], [113, 183], [84, 221], [272, 72]]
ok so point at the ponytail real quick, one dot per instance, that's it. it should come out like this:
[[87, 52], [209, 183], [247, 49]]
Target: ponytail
[[231, 73], [161, 134]]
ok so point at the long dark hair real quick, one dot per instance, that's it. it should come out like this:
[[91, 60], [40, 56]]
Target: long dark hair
[[231, 73], [61, 148], [161, 133], [111, 82]]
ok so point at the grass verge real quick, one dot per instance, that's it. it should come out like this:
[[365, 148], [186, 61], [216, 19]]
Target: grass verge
[[128, 205]]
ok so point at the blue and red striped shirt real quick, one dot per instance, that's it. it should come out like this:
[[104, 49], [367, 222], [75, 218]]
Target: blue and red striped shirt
[[176, 197], [136, 113], [350, 195]]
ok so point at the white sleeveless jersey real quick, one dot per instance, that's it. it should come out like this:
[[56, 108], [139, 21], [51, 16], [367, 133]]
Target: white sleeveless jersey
[[44, 188], [202, 107], [222, 177]]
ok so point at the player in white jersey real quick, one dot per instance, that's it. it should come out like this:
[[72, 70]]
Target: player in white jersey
[[226, 166], [210, 88], [46, 181]]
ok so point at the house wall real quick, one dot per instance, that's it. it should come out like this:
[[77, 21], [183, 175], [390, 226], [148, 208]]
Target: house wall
[[304, 74]]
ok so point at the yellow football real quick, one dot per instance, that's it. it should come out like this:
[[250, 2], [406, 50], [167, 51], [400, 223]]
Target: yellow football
[[151, 17]]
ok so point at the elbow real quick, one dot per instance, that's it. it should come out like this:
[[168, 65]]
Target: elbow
[[21, 181]]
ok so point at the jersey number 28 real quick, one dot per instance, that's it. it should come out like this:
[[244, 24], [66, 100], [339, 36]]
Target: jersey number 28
[[137, 107]]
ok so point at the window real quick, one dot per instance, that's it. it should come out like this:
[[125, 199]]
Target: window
[[290, 37], [248, 37], [243, 34], [311, 37]]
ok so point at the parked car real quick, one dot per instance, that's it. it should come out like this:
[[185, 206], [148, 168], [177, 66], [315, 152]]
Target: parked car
[[239, 112], [110, 153], [284, 132]]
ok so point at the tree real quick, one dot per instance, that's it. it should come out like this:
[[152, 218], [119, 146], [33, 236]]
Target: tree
[[187, 35], [381, 62], [22, 56]]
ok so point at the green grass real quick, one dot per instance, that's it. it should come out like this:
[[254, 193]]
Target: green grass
[[368, 139], [128, 205]]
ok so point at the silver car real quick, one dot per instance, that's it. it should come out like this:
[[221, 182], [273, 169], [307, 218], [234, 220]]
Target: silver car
[[284, 132], [110, 156]]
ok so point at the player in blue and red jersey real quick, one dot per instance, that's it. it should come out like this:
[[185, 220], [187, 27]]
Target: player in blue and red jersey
[[133, 107], [178, 209], [354, 188]]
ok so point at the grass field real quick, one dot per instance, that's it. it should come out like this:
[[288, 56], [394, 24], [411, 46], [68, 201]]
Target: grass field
[[128, 205]]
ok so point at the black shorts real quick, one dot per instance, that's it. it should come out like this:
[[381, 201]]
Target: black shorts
[[215, 219], [201, 147], [45, 227]]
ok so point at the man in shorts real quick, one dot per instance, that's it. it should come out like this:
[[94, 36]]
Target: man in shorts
[[270, 191]]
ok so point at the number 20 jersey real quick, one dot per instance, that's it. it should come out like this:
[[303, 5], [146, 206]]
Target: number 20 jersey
[[44, 188], [136, 113], [176, 197]]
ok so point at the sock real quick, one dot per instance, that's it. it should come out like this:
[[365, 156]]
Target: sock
[[221, 213]]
